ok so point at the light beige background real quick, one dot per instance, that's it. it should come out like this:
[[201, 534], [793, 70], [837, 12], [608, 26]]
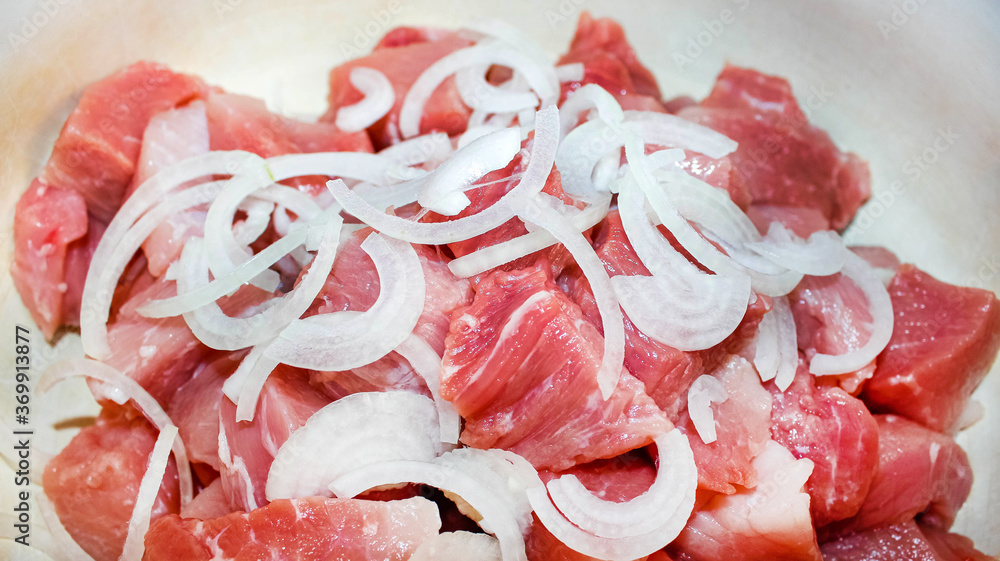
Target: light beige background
[[883, 77]]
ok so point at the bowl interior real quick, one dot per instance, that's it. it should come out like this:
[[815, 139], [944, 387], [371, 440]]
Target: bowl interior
[[908, 85]]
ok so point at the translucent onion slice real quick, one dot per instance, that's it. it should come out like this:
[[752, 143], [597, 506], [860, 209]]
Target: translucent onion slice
[[290, 198], [542, 79], [427, 364], [705, 391], [629, 530], [668, 130], [219, 331], [612, 359], [490, 491], [118, 245], [442, 191], [589, 96], [147, 405], [148, 488], [345, 340], [777, 337], [543, 150], [433, 147], [678, 305], [370, 427], [459, 545], [69, 550], [580, 152], [479, 94], [483, 260], [229, 283], [880, 307], [379, 97], [822, 254], [572, 72], [373, 168]]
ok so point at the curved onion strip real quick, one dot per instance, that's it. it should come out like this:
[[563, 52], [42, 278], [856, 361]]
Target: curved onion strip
[[692, 240], [224, 251], [370, 427], [613, 357], [431, 147], [580, 152], [542, 79], [475, 476], [249, 380], [540, 162], [724, 223], [257, 220], [479, 94], [677, 498], [69, 550], [880, 306], [664, 129], [111, 255], [570, 72], [777, 355], [292, 199], [442, 191], [589, 96], [131, 389], [704, 391], [679, 305], [219, 331], [822, 254], [483, 260], [676, 477], [373, 168], [229, 283], [427, 364], [379, 97], [466, 546], [345, 340], [148, 489]]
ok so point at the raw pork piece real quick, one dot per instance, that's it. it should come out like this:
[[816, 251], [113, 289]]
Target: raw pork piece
[[307, 529], [98, 147], [782, 159], [835, 431], [94, 481], [521, 368], [920, 473], [402, 56], [769, 522], [944, 340], [742, 425], [48, 223], [610, 62], [171, 137], [905, 541], [195, 408]]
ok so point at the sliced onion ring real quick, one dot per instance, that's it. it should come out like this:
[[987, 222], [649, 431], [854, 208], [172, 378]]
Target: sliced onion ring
[[370, 427], [532, 181], [823, 253], [146, 403], [880, 306], [704, 391], [149, 487], [442, 190], [345, 340], [379, 97], [427, 364], [612, 531]]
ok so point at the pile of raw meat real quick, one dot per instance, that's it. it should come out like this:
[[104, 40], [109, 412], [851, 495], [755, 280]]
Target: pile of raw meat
[[491, 307]]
